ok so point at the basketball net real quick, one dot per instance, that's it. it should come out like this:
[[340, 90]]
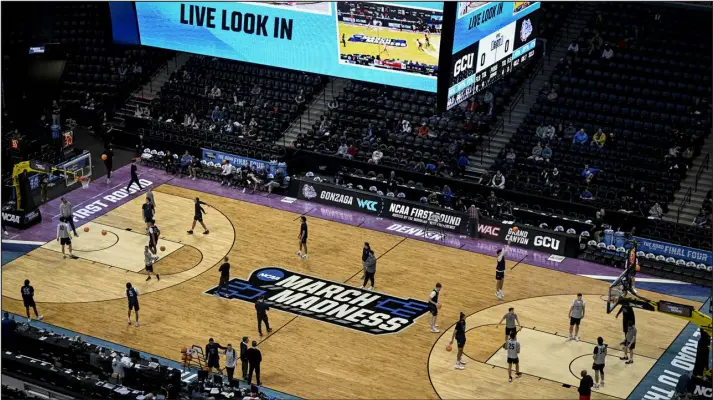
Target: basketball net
[[84, 180]]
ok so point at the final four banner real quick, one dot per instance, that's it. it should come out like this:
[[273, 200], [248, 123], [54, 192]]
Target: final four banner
[[674, 250]]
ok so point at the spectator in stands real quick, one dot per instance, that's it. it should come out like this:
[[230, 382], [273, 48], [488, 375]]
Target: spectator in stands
[[117, 367], [687, 156], [432, 198], [333, 104], [573, 48], [488, 97], [707, 205], [256, 90], [215, 115], [423, 130], [608, 52], [498, 180], [137, 70], [595, 43], [376, 156], [215, 93], [194, 168], [586, 194], [702, 220], [536, 153], [589, 173], [406, 127], [492, 203], [599, 139], [510, 157], [187, 120], [55, 113], [352, 151], [447, 196], [580, 137], [8, 328], [342, 151], [547, 153], [552, 96], [123, 69], [462, 162], [300, 98], [656, 212]]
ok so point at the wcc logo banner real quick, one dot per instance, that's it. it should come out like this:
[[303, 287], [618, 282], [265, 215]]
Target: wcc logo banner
[[326, 301]]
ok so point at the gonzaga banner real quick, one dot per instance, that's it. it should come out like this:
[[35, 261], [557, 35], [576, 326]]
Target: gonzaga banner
[[219, 156], [674, 250]]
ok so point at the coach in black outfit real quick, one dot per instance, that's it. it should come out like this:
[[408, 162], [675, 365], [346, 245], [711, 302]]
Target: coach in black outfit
[[254, 358], [212, 356], [244, 357], [261, 307]]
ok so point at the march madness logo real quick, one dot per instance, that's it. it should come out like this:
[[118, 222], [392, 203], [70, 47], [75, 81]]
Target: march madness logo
[[378, 40], [326, 301]]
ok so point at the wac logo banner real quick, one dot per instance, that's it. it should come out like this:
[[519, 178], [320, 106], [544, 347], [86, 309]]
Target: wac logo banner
[[326, 301]]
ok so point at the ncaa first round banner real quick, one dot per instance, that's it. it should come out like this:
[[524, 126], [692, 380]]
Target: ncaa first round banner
[[395, 43]]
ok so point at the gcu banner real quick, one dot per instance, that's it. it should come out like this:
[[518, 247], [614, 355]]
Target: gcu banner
[[673, 250]]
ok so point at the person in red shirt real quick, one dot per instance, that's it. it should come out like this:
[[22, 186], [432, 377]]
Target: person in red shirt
[[423, 130], [352, 151]]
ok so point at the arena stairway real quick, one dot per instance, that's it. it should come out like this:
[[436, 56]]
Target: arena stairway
[[521, 103], [315, 110], [699, 184]]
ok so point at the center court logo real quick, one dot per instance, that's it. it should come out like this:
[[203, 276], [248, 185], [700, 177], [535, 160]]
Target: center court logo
[[326, 301]]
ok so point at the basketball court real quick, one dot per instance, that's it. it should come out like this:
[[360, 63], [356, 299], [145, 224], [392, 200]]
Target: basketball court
[[410, 52], [313, 358]]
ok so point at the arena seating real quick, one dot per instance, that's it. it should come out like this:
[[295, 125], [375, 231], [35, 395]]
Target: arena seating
[[273, 106], [645, 99]]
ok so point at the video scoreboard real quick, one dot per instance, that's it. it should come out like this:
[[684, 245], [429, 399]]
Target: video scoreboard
[[490, 40]]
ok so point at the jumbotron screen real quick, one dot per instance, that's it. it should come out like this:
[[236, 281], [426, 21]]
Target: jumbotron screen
[[490, 40], [394, 43]]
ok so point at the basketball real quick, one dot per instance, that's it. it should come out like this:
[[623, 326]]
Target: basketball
[[103, 232], [638, 267], [104, 157], [515, 229], [439, 306], [86, 229], [163, 248], [449, 348]]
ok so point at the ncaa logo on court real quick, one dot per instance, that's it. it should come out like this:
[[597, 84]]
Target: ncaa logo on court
[[327, 301], [270, 275]]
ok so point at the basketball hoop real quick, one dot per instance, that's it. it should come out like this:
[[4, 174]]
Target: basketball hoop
[[84, 180]]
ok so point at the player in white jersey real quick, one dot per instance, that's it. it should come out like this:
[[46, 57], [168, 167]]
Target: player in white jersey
[[576, 313], [149, 260], [599, 357], [513, 350]]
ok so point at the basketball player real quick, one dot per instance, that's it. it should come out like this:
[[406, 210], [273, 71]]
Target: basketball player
[[599, 357], [344, 41], [224, 276], [510, 322], [630, 344], [149, 259], [303, 238], [154, 234], [149, 196], [420, 45], [147, 211], [385, 49], [629, 317], [198, 217], [500, 271], [427, 40], [134, 176], [433, 306], [459, 335], [28, 298], [132, 295], [64, 237], [513, 349], [576, 313]]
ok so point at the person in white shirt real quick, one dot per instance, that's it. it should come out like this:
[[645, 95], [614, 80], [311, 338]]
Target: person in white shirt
[[376, 156], [608, 52], [576, 313], [512, 347], [498, 180], [149, 260], [599, 358], [574, 48], [231, 358], [226, 174], [342, 150], [64, 237], [117, 368]]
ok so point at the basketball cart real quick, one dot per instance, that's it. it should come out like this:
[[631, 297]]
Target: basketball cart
[[623, 293], [193, 357], [432, 226]]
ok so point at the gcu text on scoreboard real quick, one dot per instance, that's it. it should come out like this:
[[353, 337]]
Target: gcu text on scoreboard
[[490, 40]]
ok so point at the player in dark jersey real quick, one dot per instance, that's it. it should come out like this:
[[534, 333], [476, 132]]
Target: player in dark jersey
[[154, 234], [224, 276], [198, 216], [344, 41], [134, 177], [420, 45], [132, 295], [427, 40], [433, 306], [147, 210], [28, 298], [459, 336], [500, 271], [303, 238]]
